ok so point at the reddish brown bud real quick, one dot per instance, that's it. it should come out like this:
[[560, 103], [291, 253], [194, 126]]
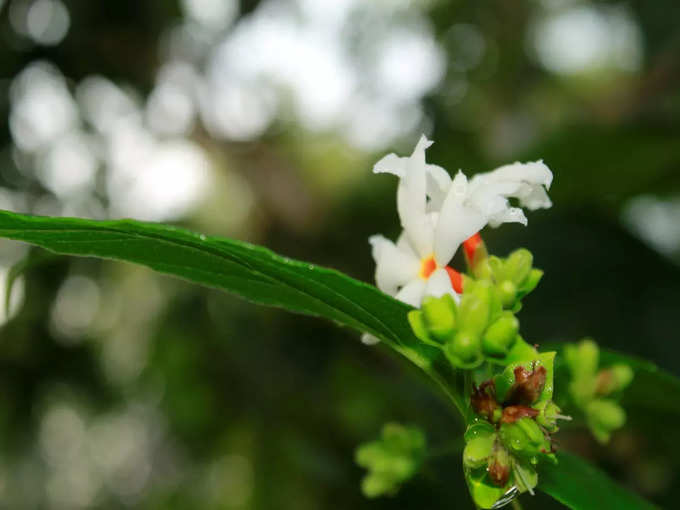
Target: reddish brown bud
[[513, 413], [528, 386], [499, 473], [483, 399]]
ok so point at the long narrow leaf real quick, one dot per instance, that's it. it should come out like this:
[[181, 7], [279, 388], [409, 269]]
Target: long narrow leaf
[[252, 272]]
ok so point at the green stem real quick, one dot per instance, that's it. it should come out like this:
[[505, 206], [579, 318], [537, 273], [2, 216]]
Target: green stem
[[467, 390], [457, 400], [516, 505]]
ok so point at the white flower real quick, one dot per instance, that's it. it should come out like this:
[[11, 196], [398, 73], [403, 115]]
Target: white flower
[[438, 214]]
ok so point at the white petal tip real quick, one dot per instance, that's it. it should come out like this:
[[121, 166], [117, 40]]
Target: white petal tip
[[423, 143], [368, 339], [390, 164]]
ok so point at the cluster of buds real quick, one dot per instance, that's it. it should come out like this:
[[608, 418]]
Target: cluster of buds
[[513, 277], [481, 326], [390, 460], [597, 391], [511, 431], [470, 331]]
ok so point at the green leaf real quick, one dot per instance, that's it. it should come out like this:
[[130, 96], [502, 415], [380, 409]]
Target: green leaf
[[579, 485], [252, 272]]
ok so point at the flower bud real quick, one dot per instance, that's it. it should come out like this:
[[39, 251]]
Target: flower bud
[[477, 429], [613, 379], [483, 402], [475, 253], [531, 282], [478, 450], [475, 308], [375, 484], [524, 437], [518, 266], [484, 493], [392, 459], [499, 467], [582, 358], [417, 322], [464, 351], [604, 416], [508, 293], [524, 383], [500, 336], [439, 315], [548, 414]]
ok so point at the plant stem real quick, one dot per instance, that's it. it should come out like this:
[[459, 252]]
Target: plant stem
[[516, 505], [457, 400]]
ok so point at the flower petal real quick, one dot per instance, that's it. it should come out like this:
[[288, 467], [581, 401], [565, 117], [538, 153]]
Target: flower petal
[[391, 164], [438, 183], [439, 284], [394, 266], [412, 201], [469, 206], [456, 221], [529, 182], [404, 244], [412, 292]]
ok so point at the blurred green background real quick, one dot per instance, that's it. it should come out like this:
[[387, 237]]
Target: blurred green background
[[261, 121]]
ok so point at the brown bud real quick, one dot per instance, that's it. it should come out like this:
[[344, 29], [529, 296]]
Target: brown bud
[[528, 386], [513, 413], [604, 382], [499, 473], [483, 399]]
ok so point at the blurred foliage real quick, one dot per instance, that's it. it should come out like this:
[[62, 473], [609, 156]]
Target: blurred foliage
[[169, 395]]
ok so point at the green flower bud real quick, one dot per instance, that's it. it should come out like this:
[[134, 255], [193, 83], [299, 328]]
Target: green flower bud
[[402, 438], [583, 358], [477, 429], [613, 379], [484, 494], [525, 476], [478, 450], [518, 266], [500, 336], [374, 485], [623, 375], [508, 293], [497, 267], [482, 269], [582, 390], [604, 416], [548, 414], [524, 438], [390, 460], [464, 351], [531, 282], [417, 322], [439, 315], [475, 308]]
